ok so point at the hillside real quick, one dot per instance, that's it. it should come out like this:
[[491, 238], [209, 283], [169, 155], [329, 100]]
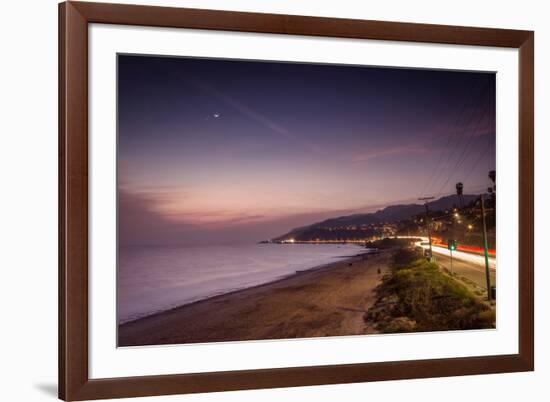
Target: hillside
[[368, 224]]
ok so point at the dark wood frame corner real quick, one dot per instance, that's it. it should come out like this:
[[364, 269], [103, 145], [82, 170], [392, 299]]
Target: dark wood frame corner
[[74, 382]]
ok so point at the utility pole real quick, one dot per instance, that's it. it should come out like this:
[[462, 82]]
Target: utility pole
[[428, 222], [492, 190], [486, 251]]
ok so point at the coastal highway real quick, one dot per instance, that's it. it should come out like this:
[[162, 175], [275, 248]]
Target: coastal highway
[[473, 272], [473, 259], [468, 265]]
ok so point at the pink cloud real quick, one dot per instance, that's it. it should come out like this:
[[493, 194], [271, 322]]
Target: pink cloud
[[378, 153], [213, 218]]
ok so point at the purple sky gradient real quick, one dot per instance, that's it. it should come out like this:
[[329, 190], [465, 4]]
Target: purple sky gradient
[[218, 151]]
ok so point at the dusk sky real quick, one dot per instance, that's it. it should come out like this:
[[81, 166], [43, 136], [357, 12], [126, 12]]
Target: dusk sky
[[219, 151]]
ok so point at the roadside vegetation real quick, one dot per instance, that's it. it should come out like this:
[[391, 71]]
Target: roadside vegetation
[[390, 242], [417, 296]]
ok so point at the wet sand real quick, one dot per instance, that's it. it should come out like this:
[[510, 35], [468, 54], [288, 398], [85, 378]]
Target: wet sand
[[326, 301]]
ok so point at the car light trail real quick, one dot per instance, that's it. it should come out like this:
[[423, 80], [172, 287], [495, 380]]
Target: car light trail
[[469, 249], [461, 255], [475, 259]]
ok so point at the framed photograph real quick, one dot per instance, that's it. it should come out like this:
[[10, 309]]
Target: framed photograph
[[258, 200]]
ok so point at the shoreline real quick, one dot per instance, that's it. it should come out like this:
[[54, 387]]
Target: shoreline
[[342, 258], [266, 311]]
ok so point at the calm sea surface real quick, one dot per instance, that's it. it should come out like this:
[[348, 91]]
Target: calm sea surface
[[152, 279]]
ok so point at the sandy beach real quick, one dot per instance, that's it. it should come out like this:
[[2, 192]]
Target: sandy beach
[[325, 301]]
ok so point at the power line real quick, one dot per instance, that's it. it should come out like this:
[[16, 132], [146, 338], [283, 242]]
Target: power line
[[481, 156], [474, 135], [463, 156], [459, 116], [455, 149], [447, 153]]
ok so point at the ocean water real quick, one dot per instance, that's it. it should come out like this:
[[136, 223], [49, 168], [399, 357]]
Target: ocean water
[[152, 279]]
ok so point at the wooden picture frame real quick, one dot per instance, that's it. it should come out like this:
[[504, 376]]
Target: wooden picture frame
[[74, 381]]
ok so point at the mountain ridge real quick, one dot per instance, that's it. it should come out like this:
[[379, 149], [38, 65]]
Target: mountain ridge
[[389, 214]]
